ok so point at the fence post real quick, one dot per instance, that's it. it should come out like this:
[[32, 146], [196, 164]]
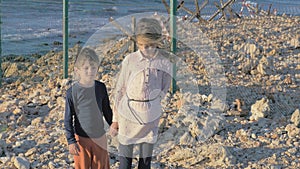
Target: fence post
[[65, 37], [133, 26], [173, 6], [0, 44]]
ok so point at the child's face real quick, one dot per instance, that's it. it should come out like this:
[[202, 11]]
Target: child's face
[[87, 72], [148, 49]]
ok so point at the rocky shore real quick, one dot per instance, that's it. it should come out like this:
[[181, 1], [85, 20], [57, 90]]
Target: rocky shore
[[255, 125]]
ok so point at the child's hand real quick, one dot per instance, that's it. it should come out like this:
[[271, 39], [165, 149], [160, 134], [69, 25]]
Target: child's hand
[[113, 130], [74, 149]]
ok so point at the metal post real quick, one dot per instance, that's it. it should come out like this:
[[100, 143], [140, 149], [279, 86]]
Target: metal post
[[173, 6], [0, 44], [65, 37], [133, 26]]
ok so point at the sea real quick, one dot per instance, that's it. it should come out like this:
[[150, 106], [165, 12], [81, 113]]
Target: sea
[[30, 27]]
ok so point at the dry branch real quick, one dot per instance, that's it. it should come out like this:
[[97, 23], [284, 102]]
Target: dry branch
[[220, 9]]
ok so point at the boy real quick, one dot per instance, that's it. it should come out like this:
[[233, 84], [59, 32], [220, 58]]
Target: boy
[[86, 103]]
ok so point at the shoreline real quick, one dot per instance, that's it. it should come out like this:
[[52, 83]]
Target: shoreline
[[260, 59]]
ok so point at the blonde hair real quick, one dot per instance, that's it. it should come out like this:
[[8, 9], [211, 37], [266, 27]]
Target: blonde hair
[[149, 30], [86, 54]]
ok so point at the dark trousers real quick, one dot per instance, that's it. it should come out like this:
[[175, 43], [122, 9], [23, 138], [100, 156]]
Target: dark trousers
[[126, 155]]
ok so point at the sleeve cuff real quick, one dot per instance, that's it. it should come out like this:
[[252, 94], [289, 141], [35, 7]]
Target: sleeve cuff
[[115, 118]]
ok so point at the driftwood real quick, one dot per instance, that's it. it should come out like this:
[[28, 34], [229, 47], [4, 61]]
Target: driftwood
[[197, 13], [117, 25], [223, 11], [181, 5], [269, 10], [220, 9], [166, 6], [232, 13], [228, 8], [255, 9], [130, 35]]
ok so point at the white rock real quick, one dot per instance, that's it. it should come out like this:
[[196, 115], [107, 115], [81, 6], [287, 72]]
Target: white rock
[[21, 163], [292, 130], [4, 159], [36, 121], [260, 109], [51, 165], [61, 101], [186, 139], [296, 118]]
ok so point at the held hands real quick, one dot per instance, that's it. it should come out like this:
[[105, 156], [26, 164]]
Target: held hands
[[113, 130], [74, 149]]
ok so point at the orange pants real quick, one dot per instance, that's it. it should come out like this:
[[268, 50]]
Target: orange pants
[[93, 153]]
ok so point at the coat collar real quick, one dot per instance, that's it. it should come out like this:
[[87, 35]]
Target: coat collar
[[141, 56]]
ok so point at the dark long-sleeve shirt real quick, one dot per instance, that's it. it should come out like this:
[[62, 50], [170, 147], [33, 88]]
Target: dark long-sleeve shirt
[[84, 111]]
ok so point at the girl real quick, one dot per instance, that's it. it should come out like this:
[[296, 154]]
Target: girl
[[143, 81]]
